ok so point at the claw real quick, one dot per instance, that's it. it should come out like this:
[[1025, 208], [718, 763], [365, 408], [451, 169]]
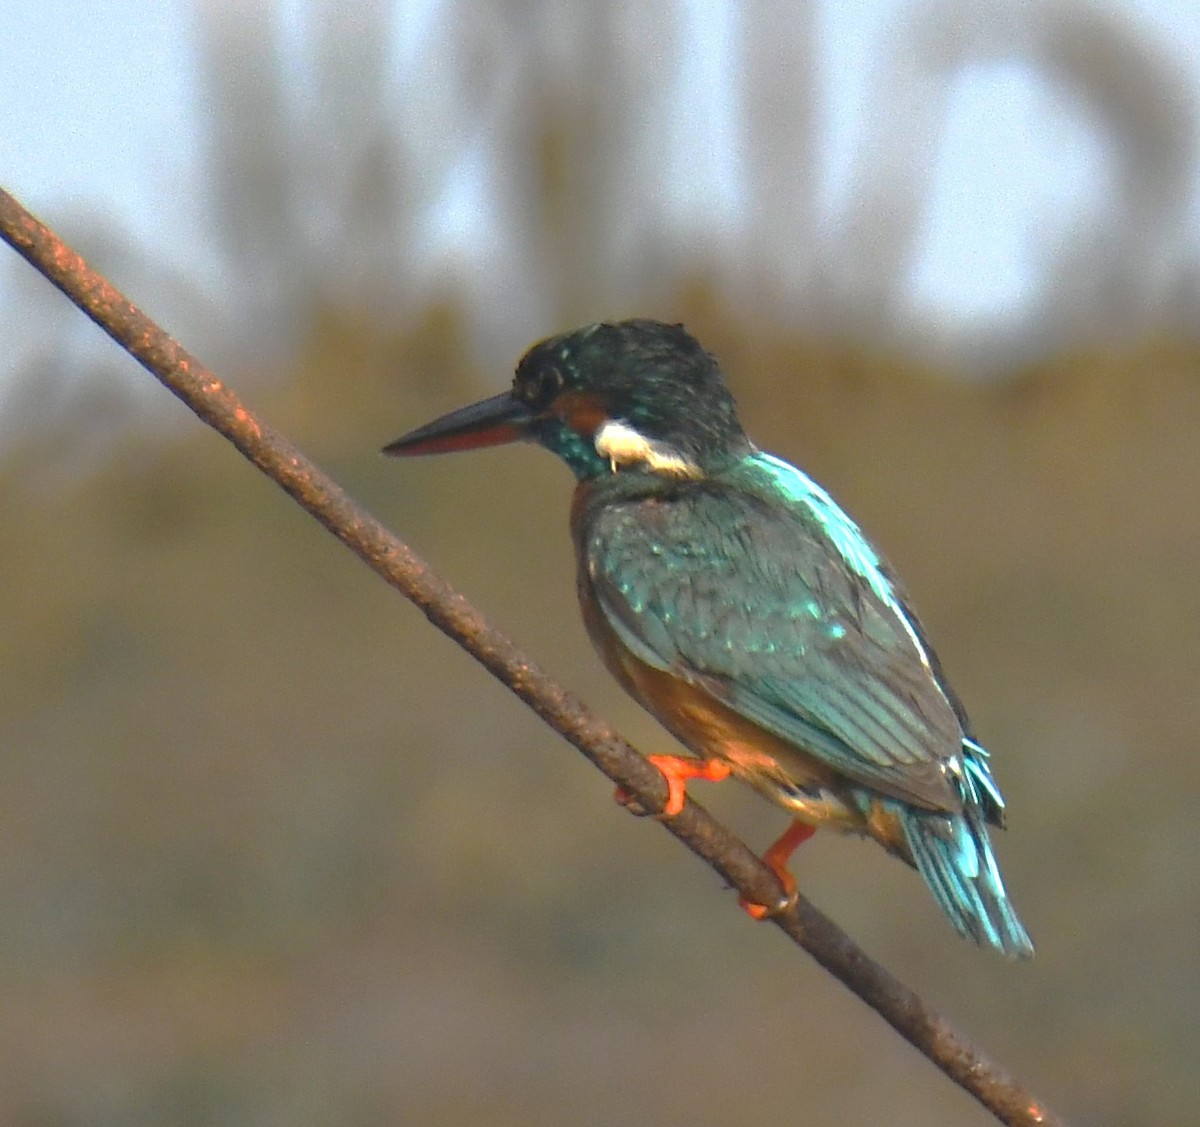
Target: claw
[[676, 769], [625, 798], [769, 911], [776, 859]]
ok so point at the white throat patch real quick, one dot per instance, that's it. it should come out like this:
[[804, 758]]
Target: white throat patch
[[624, 446]]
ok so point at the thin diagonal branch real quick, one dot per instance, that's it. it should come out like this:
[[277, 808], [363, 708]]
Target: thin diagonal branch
[[219, 407]]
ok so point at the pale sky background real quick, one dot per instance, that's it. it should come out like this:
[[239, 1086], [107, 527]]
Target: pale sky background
[[100, 117]]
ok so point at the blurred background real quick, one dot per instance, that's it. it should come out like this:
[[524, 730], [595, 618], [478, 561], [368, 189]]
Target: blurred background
[[272, 851]]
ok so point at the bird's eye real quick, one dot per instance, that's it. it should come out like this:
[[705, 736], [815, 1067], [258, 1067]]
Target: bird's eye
[[541, 387]]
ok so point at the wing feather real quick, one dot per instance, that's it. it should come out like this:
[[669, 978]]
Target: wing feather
[[758, 605]]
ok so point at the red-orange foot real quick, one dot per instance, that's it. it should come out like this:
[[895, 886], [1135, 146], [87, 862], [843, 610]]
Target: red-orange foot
[[776, 859], [677, 769]]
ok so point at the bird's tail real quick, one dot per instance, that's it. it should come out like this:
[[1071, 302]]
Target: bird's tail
[[953, 854]]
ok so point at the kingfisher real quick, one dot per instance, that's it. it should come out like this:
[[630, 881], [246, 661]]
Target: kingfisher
[[734, 599]]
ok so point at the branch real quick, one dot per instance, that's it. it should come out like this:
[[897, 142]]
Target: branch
[[219, 407]]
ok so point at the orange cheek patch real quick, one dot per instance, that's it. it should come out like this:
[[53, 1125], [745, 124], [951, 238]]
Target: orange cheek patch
[[581, 411]]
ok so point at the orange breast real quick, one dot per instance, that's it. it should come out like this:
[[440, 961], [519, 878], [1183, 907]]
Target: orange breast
[[707, 727]]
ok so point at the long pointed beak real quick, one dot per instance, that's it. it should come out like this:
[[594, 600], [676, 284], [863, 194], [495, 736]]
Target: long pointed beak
[[503, 418]]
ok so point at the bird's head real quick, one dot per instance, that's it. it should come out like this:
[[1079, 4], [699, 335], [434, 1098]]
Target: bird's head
[[638, 396]]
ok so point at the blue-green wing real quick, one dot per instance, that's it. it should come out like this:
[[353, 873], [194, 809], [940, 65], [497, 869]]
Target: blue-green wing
[[758, 604]]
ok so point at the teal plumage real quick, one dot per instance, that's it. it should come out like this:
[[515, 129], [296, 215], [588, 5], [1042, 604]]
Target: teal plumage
[[722, 584], [734, 583]]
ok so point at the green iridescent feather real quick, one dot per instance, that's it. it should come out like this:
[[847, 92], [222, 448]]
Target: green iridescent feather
[[753, 585], [734, 572]]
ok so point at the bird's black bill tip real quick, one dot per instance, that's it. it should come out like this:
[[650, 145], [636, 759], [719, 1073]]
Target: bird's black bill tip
[[492, 422]]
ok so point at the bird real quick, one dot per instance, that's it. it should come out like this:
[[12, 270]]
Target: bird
[[729, 594]]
